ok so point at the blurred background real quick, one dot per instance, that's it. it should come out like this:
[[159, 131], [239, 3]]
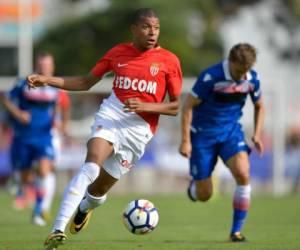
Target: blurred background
[[200, 32]]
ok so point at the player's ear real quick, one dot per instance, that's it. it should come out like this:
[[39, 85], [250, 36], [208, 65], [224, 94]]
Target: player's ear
[[132, 28]]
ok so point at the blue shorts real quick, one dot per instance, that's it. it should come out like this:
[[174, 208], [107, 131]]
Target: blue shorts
[[205, 155], [23, 154]]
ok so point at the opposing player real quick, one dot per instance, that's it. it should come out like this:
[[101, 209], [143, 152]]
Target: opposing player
[[126, 121], [211, 128], [33, 115], [60, 128]]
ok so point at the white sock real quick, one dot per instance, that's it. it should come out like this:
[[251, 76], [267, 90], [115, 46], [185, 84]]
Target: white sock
[[49, 183], [241, 198], [74, 193], [91, 202], [243, 191]]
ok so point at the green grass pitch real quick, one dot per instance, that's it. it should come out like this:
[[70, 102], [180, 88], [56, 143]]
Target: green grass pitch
[[272, 224]]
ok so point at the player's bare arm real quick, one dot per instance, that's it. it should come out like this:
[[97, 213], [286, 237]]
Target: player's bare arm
[[77, 83], [165, 108], [20, 115], [259, 117], [185, 148]]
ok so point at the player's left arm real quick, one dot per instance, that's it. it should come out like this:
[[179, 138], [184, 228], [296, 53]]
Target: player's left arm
[[259, 113], [170, 107], [259, 117]]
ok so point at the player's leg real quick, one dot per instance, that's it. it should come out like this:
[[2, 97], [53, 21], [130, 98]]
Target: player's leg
[[45, 182], [239, 167], [234, 153], [202, 163], [94, 197], [98, 150], [21, 159], [45, 189], [113, 169], [25, 190], [204, 189]]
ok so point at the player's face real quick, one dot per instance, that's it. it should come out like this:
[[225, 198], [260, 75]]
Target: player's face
[[146, 33], [238, 71], [45, 66]]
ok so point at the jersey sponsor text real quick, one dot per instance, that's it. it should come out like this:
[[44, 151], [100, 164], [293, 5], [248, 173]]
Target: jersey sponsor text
[[141, 85]]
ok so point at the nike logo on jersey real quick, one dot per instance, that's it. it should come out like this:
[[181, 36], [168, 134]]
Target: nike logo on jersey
[[207, 77], [122, 65]]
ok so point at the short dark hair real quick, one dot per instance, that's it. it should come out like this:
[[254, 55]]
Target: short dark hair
[[142, 12], [42, 54], [243, 53]]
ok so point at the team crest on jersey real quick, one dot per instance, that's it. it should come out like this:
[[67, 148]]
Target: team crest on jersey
[[154, 69]]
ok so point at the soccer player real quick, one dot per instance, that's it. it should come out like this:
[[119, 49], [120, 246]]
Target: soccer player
[[60, 128], [211, 128], [126, 121], [33, 115]]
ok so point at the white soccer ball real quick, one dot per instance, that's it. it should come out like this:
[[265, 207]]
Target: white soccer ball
[[140, 216]]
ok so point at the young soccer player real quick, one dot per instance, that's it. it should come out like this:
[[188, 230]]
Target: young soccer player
[[126, 121], [211, 128], [33, 115]]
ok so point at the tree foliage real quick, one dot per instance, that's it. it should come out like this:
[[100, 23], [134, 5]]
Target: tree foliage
[[78, 43]]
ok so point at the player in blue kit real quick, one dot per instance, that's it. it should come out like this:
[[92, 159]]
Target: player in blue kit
[[211, 128], [32, 113]]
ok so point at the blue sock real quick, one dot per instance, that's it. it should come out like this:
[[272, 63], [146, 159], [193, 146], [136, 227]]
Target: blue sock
[[241, 203], [238, 220], [39, 196], [38, 207]]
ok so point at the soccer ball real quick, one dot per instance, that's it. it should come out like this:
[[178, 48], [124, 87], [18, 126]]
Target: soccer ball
[[140, 216]]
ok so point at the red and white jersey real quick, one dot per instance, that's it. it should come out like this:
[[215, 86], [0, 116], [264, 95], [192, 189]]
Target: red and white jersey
[[147, 75]]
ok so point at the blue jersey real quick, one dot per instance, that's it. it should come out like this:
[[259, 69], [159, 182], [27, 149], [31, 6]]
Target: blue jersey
[[222, 100], [40, 103]]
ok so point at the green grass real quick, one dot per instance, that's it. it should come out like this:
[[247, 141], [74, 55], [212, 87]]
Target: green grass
[[183, 225]]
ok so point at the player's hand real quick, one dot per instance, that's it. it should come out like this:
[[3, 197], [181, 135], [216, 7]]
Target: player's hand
[[35, 80], [24, 117], [185, 149], [258, 144], [134, 105]]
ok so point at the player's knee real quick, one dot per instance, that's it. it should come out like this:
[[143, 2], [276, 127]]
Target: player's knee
[[93, 156], [203, 194], [43, 172], [45, 166], [242, 177]]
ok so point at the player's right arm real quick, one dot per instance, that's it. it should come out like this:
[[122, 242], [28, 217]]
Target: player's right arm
[[185, 148], [200, 91], [20, 115], [76, 83], [15, 93]]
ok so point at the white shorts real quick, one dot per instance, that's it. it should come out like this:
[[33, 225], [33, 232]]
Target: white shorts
[[127, 131]]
